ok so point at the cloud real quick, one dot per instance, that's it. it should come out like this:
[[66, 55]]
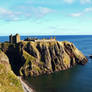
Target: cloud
[[81, 1], [88, 9], [69, 1], [23, 13], [41, 11], [84, 12], [76, 14], [9, 15], [85, 1]]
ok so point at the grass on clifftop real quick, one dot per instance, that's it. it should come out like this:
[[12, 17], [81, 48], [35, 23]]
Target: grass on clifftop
[[8, 81]]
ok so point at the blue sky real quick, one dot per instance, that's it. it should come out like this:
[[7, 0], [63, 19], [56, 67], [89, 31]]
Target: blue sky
[[46, 17]]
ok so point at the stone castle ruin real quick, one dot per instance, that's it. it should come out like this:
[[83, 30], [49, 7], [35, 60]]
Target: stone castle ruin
[[14, 39]]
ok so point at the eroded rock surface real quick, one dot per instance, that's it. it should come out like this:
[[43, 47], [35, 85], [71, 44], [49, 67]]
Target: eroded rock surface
[[42, 57], [48, 57]]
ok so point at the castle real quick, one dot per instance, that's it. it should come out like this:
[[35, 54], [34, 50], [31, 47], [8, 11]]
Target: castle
[[14, 39]]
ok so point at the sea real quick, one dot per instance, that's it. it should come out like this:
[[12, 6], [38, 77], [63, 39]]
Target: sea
[[76, 79]]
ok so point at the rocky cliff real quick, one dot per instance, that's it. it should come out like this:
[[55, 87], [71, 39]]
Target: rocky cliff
[[47, 57], [8, 80], [42, 57]]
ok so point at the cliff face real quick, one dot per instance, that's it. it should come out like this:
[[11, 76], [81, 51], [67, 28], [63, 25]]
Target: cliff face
[[48, 57], [8, 80], [33, 59], [42, 57]]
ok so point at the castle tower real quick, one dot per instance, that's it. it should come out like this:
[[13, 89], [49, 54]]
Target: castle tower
[[11, 38], [14, 39], [17, 38]]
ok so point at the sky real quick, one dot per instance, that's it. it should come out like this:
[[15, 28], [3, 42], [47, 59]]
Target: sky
[[46, 17]]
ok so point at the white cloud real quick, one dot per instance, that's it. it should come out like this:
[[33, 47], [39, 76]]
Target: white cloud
[[85, 1], [8, 15], [81, 1], [76, 14], [23, 13], [84, 12], [4, 11], [69, 1], [41, 11], [88, 9]]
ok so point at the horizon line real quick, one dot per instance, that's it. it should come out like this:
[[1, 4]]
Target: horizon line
[[55, 35]]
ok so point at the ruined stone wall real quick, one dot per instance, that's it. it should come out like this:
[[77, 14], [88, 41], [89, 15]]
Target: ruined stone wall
[[14, 39]]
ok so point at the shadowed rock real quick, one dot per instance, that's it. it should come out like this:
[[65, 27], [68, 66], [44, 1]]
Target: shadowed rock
[[45, 57], [49, 57]]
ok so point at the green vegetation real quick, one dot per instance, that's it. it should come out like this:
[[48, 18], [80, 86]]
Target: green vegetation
[[30, 65], [8, 80], [41, 57], [28, 58]]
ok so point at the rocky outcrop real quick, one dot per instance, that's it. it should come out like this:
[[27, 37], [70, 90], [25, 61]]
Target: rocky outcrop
[[8, 80], [48, 57], [29, 58]]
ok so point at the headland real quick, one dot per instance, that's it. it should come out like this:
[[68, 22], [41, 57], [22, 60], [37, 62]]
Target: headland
[[33, 57]]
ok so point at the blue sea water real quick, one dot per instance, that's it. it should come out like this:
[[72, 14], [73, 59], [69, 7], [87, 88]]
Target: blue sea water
[[76, 79]]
